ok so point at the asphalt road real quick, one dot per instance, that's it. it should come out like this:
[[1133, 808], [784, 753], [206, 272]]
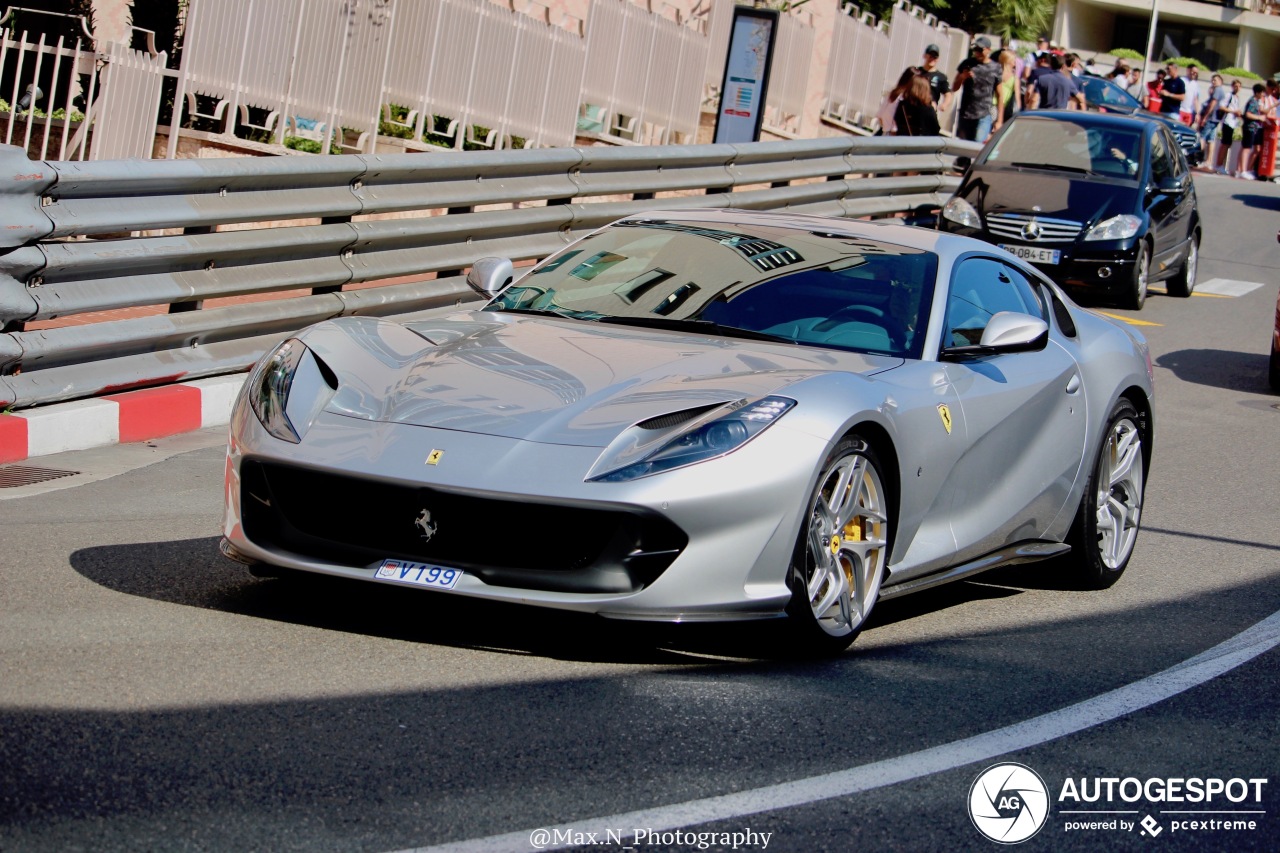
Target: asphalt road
[[153, 696]]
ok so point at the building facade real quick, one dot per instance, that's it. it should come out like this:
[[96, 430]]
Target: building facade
[[1230, 33]]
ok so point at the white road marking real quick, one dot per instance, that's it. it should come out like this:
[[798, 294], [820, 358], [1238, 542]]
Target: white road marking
[[1222, 658], [1227, 287]]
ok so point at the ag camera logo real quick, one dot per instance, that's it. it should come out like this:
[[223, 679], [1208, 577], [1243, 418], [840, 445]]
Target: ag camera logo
[[1008, 803]]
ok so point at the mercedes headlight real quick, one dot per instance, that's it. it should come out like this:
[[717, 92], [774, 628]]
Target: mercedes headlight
[[289, 389], [961, 212], [704, 439], [1119, 227]]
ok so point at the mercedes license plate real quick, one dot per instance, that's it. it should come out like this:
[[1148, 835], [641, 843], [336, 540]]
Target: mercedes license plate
[[417, 574], [1035, 254]]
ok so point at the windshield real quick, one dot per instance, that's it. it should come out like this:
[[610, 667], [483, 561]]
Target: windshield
[[759, 281], [1064, 145], [1101, 93]]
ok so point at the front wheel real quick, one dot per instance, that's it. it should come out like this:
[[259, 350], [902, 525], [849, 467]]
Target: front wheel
[[839, 558], [1184, 282], [1106, 525], [1137, 293]]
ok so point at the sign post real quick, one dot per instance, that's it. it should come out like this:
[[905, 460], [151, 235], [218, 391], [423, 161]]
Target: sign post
[[746, 75]]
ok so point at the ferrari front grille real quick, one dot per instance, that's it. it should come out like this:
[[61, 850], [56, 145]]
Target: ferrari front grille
[[356, 521]]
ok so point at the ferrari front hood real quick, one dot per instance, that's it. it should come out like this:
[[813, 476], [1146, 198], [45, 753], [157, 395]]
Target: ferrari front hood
[[551, 380]]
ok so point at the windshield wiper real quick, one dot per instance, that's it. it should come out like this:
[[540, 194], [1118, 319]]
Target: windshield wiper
[[693, 325], [1053, 167], [540, 312]]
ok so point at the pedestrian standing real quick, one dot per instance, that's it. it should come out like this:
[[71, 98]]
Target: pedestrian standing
[[1033, 58], [1136, 86], [1172, 92], [1255, 113], [1211, 117], [939, 86], [915, 115], [1231, 121], [1153, 91], [1055, 90], [890, 105], [976, 78], [1189, 108], [1008, 92]]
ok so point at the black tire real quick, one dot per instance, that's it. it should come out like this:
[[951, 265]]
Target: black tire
[[1136, 294], [1096, 562], [1184, 282], [853, 552]]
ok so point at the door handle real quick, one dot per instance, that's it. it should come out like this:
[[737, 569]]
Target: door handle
[[1073, 384]]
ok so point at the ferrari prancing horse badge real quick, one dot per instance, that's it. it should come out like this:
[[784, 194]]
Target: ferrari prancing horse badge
[[945, 412]]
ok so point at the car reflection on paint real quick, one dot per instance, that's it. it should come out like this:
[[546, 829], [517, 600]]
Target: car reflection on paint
[[705, 415]]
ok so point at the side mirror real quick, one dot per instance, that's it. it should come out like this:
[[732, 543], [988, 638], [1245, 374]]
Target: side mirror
[[1011, 332], [490, 275], [1006, 331], [1171, 185]]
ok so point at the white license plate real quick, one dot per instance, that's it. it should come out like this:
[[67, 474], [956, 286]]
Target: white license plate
[[418, 574], [1035, 254]]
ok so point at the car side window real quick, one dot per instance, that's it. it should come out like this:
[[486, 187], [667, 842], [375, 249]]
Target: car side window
[[1178, 162], [1160, 167], [980, 289]]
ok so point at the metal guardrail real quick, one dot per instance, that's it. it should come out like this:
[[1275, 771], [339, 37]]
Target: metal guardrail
[[83, 237]]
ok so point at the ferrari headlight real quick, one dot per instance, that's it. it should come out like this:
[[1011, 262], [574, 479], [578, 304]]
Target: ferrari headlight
[[1116, 228], [706, 440], [961, 212], [289, 389]]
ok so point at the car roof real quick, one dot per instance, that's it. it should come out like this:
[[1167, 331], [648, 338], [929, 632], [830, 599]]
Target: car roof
[[1090, 119]]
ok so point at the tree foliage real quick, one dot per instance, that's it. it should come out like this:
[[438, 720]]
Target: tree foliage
[[1009, 19]]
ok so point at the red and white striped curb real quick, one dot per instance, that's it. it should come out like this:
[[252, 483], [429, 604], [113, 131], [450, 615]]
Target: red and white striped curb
[[118, 418]]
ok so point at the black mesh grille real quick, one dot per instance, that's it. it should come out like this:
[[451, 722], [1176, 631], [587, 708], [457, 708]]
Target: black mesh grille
[[355, 521]]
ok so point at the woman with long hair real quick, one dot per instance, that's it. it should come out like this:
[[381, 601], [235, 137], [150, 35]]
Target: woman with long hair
[[1008, 92], [915, 115], [890, 105]]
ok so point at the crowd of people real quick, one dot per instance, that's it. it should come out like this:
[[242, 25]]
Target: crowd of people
[[995, 87]]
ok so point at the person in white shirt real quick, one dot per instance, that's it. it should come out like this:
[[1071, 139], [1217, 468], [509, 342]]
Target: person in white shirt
[[1189, 109]]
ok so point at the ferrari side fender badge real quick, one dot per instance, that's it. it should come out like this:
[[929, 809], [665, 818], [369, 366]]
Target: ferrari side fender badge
[[434, 457], [945, 412]]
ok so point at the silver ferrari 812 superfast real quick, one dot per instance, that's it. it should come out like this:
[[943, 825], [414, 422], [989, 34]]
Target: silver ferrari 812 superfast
[[705, 415]]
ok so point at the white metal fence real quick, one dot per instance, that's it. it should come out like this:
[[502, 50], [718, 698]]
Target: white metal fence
[[58, 78], [125, 115], [789, 77], [644, 74], [856, 68], [314, 66], [868, 57]]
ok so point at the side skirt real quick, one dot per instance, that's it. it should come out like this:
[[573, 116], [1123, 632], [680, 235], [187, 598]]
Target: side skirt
[[1022, 552]]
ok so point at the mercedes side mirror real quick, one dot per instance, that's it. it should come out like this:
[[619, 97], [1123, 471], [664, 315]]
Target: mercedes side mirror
[[490, 275]]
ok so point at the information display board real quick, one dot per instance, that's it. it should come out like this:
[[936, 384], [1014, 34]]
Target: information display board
[[746, 75]]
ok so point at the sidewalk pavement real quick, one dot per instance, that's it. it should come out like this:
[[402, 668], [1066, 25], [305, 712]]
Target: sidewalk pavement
[[118, 418]]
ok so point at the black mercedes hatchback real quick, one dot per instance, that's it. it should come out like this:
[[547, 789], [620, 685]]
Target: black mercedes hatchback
[[1097, 202]]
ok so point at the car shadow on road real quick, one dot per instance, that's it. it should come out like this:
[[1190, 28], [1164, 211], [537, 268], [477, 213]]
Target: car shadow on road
[[191, 572], [1265, 202], [1233, 371]]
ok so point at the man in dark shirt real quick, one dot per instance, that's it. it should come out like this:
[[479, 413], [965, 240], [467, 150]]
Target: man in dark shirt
[[977, 77], [1056, 90], [938, 83], [1173, 91]]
